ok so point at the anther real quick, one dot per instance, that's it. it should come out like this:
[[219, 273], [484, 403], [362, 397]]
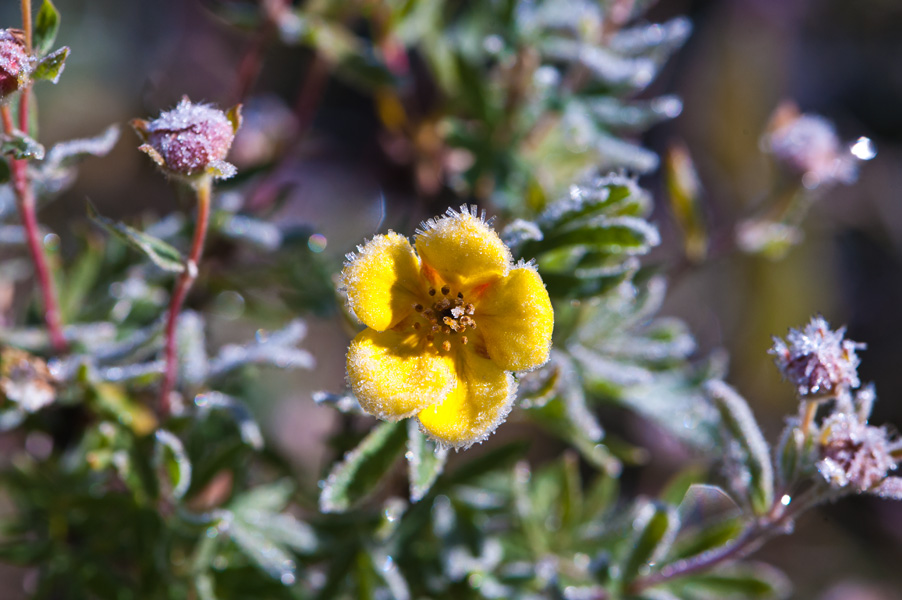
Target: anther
[[464, 340], [469, 309], [416, 325], [446, 345], [460, 295], [446, 330], [445, 290], [418, 307], [432, 292], [430, 337]]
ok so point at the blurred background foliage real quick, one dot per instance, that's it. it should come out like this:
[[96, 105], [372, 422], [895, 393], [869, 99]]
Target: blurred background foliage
[[362, 116]]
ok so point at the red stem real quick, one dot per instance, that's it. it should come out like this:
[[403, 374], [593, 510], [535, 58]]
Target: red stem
[[25, 202], [185, 280]]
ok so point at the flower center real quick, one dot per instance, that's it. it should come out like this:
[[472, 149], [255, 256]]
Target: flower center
[[446, 320]]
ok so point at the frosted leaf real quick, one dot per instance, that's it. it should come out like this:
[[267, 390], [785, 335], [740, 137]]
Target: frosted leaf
[[247, 425], [276, 349]]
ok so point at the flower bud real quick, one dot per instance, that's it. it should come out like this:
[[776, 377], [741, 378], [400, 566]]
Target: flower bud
[[854, 453], [14, 61], [191, 140], [817, 360], [807, 145]]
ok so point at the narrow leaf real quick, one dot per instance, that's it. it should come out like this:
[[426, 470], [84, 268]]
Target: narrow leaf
[[159, 252], [46, 26], [51, 66], [269, 556], [282, 528], [655, 527], [744, 581], [20, 146], [362, 469], [425, 461], [739, 421], [172, 463]]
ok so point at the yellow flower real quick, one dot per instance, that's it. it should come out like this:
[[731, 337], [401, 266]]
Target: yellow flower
[[447, 320]]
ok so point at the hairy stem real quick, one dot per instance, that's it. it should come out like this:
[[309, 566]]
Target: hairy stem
[[182, 285], [774, 523], [25, 202]]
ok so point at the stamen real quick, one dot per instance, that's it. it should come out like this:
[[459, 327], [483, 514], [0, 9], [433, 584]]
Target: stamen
[[470, 309], [460, 295], [446, 346], [432, 292], [464, 340], [416, 324], [418, 307], [446, 330], [445, 290], [429, 337]]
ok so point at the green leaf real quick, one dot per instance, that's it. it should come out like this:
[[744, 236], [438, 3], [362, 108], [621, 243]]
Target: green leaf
[[626, 235], [282, 528], [159, 252], [355, 477], [271, 497], [51, 66], [744, 581], [425, 461], [271, 557], [173, 466], [46, 26], [655, 527], [738, 420], [560, 285], [20, 146], [5, 172]]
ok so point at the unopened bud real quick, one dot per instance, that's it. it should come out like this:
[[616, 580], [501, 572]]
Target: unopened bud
[[191, 139], [14, 61], [817, 360]]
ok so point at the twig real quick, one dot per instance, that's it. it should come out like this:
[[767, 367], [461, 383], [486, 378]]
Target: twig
[[203, 190]]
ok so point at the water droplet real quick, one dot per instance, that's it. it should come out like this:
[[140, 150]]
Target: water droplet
[[51, 241], [409, 455], [317, 242], [493, 44], [863, 149], [785, 500], [287, 578], [388, 564]]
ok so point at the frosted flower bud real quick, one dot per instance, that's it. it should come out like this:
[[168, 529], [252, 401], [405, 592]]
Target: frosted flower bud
[[817, 360], [25, 380], [191, 139], [14, 61], [808, 145], [853, 453]]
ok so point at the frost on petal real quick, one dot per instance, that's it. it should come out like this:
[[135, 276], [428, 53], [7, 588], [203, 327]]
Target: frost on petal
[[392, 375], [480, 402], [463, 249], [516, 320], [383, 281], [891, 488]]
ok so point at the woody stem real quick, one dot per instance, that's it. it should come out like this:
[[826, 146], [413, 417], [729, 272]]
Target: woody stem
[[203, 190]]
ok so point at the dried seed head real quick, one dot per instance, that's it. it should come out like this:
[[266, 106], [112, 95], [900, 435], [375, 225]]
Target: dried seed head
[[14, 61], [191, 139], [817, 360]]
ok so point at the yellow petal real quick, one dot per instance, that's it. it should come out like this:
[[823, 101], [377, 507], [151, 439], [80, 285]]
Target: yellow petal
[[463, 249], [516, 320], [383, 281], [394, 377], [475, 407]]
